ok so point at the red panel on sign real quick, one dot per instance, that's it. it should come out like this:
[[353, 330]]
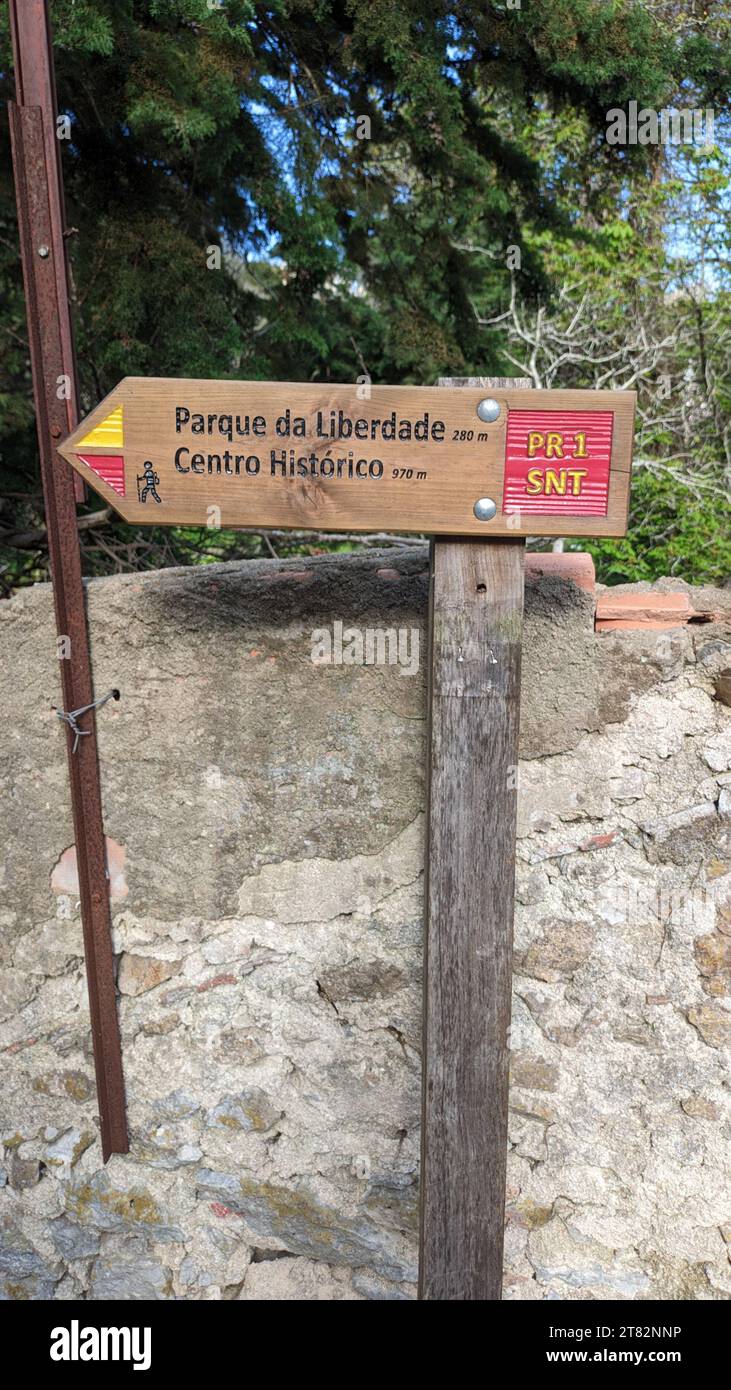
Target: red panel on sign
[[558, 461], [110, 468]]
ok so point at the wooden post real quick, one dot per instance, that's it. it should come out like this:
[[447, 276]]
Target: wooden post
[[476, 625]]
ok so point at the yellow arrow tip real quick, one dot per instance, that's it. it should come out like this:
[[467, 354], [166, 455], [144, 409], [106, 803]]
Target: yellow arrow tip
[[109, 434]]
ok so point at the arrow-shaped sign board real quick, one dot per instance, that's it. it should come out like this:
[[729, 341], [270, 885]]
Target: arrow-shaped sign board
[[451, 461]]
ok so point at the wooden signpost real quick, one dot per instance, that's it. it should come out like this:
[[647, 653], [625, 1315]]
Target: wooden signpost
[[454, 461], [479, 464], [476, 617]]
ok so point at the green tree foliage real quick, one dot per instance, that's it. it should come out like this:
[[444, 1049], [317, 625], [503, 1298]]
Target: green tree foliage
[[364, 169]]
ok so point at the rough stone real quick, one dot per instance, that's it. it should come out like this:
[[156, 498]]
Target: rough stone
[[128, 1271], [249, 1110], [376, 1289], [24, 1273], [297, 1280], [303, 1226], [713, 1024], [16, 989], [94, 1201], [138, 974], [272, 816], [528, 1213], [24, 1172], [700, 1109], [713, 957], [532, 1073], [71, 1084], [72, 1241], [562, 1254], [717, 752], [50, 949], [559, 952], [176, 1105], [68, 1148], [394, 1202], [375, 979]]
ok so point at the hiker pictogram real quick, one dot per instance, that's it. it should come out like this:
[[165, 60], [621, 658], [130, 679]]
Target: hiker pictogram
[[150, 479]]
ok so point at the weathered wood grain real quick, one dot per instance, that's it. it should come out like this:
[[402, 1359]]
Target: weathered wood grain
[[476, 624], [262, 477]]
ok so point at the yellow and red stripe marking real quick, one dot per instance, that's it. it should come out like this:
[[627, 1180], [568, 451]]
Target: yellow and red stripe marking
[[108, 467], [109, 434]]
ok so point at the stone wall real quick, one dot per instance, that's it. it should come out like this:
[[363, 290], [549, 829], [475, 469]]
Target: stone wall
[[265, 823]]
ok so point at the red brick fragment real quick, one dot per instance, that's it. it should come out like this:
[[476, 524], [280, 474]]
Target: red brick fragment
[[19, 1046], [214, 982], [645, 610], [575, 565], [599, 841], [219, 1209]]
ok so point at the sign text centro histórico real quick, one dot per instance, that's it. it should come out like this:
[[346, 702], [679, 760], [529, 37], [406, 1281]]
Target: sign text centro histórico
[[360, 458]]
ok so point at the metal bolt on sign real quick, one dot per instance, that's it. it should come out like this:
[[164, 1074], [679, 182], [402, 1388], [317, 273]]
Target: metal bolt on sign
[[488, 410]]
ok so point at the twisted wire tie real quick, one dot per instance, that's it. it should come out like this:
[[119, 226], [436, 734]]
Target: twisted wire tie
[[71, 717]]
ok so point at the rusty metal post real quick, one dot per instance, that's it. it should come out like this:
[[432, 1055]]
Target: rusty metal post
[[35, 85], [40, 221]]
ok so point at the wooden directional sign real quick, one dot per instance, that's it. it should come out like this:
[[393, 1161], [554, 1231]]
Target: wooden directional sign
[[454, 461]]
